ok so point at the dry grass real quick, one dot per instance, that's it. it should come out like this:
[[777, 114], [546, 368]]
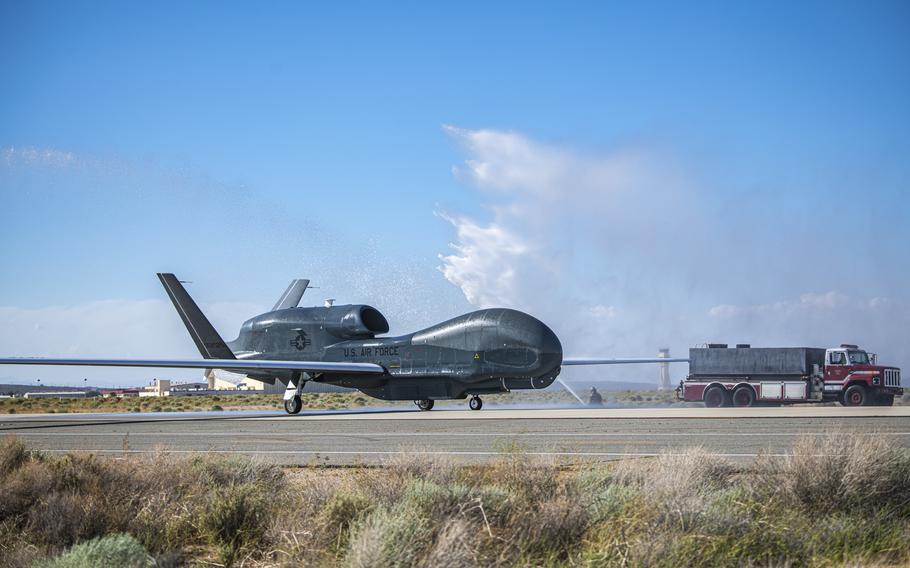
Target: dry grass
[[841, 500], [840, 473], [311, 401]]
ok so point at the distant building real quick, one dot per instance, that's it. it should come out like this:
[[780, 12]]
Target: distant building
[[119, 392], [160, 387], [61, 394], [188, 387], [223, 380]]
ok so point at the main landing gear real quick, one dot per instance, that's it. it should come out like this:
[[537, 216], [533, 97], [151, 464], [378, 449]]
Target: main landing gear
[[424, 404], [475, 403]]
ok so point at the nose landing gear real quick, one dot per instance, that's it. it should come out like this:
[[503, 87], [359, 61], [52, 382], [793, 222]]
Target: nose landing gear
[[292, 401], [424, 404], [475, 403], [293, 405]]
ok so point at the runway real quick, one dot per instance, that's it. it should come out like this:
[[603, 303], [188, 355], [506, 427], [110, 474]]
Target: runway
[[343, 438]]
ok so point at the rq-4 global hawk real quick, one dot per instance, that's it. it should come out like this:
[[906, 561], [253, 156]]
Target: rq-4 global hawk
[[483, 352]]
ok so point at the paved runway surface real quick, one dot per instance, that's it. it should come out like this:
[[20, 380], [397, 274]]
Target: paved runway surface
[[372, 437]]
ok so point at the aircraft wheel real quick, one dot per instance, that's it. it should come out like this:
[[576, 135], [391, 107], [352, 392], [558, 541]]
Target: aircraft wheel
[[293, 405], [476, 403], [424, 404]]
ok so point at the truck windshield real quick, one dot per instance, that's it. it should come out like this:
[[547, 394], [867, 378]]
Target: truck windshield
[[858, 357]]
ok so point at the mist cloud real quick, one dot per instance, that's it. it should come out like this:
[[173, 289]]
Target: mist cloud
[[37, 157], [624, 251]]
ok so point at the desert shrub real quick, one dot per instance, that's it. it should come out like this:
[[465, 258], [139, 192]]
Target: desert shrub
[[846, 539], [527, 477], [732, 510], [62, 500], [493, 503], [21, 488], [13, 454], [618, 539], [553, 527], [416, 464], [340, 512], [455, 545], [608, 500], [63, 518], [388, 537], [383, 489], [16, 553], [689, 508], [234, 517], [433, 500], [675, 473], [760, 544], [118, 550], [163, 525], [840, 473], [215, 471], [680, 484]]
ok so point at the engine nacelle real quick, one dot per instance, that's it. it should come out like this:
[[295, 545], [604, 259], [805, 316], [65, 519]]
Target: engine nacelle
[[355, 322]]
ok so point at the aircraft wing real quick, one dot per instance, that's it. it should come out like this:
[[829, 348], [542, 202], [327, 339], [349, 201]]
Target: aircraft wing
[[227, 364], [601, 361]]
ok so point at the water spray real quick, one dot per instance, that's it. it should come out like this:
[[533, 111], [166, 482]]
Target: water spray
[[568, 388]]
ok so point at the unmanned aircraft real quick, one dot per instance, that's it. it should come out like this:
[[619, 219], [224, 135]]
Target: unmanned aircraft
[[483, 352]]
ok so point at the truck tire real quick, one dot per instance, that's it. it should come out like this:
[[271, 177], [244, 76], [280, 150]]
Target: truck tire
[[743, 396], [857, 395], [715, 396]]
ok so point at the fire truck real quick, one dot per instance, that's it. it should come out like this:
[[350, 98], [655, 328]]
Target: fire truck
[[747, 376]]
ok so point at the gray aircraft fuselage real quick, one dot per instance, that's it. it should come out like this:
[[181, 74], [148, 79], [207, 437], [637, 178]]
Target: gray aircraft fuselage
[[487, 351]]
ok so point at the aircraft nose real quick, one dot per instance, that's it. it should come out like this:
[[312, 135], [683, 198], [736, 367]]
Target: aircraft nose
[[549, 348], [520, 349]]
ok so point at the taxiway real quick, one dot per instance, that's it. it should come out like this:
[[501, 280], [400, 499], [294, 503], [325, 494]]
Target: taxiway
[[371, 437]]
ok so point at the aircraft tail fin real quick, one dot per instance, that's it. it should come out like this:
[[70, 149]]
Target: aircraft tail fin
[[292, 295], [207, 340]]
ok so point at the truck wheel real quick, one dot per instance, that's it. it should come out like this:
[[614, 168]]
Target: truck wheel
[[715, 396], [856, 395], [744, 396]]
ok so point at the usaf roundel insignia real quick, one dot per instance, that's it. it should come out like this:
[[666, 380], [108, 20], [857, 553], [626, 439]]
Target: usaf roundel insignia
[[300, 342]]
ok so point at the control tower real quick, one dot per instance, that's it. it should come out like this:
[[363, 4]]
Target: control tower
[[664, 369]]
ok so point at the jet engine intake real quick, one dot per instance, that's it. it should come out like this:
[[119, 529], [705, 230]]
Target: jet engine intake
[[355, 322]]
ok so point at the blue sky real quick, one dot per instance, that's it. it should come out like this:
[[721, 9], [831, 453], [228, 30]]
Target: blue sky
[[241, 145]]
